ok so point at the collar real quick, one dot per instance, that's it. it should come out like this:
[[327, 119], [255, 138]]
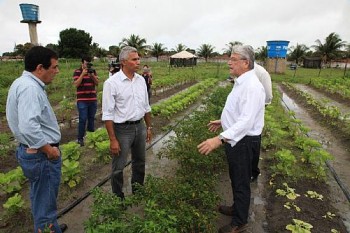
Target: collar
[[32, 76], [123, 77], [243, 77]]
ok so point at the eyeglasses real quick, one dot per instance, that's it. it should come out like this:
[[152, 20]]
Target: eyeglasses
[[237, 59]]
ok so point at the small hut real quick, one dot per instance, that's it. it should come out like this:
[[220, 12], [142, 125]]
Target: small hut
[[312, 62], [183, 58]]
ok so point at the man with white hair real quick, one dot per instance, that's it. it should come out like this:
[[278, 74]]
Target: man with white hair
[[242, 120]]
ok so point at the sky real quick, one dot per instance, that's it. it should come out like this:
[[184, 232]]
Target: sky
[[171, 22]]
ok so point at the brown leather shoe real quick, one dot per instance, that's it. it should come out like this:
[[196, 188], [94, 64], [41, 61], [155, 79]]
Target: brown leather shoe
[[233, 229], [226, 210]]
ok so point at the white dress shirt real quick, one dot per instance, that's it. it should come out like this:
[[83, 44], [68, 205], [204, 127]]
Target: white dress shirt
[[243, 114], [124, 99], [265, 79]]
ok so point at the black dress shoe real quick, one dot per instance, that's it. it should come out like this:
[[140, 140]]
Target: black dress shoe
[[63, 227]]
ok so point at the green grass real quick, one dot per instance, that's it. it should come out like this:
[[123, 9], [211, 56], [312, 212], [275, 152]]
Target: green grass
[[303, 75], [62, 86]]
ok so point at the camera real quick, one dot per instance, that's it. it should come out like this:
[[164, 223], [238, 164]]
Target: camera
[[114, 67], [89, 68]]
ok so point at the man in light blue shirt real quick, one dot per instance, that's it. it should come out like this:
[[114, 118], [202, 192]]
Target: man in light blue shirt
[[34, 125]]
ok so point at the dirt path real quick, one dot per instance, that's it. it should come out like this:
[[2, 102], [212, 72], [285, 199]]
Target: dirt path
[[343, 108], [332, 144]]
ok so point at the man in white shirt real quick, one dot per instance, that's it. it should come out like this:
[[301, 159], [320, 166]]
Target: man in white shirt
[[242, 120], [124, 104], [265, 79]]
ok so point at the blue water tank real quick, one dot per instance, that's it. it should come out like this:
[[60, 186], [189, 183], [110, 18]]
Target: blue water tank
[[277, 48], [30, 13]]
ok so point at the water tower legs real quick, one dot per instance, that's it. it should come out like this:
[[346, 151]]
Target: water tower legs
[[276, 65], [33, 33]]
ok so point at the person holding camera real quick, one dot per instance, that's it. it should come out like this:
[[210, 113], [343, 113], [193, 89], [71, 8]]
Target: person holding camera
[[86, 79], [113, 68]]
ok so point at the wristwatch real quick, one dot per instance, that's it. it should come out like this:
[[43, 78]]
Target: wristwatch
[[222, 139]]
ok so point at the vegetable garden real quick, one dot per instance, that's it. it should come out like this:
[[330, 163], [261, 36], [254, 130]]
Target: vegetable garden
[[297, 192]]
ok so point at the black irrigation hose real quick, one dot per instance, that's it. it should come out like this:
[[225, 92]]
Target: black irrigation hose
[[102, 182], [334, 173]]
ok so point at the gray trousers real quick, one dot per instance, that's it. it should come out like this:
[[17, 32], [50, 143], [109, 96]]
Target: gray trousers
[[131, 137]]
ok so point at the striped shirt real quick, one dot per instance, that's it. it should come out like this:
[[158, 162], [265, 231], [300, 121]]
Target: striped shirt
[[86, 91]]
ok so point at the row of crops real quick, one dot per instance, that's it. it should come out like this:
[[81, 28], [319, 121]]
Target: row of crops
[[13, 181], [185, 201]]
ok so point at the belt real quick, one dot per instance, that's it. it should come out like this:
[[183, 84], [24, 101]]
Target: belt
[[129, 123], [51, 144]]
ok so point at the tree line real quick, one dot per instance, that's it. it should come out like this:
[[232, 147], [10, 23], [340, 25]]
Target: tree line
[[73, 43]]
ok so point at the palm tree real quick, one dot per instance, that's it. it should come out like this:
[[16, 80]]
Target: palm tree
[[261, 53], [206, 50], [297, 52], [157, 50], [136, 42], [331, 47], [230, 45], [114, 50], [180, 47]]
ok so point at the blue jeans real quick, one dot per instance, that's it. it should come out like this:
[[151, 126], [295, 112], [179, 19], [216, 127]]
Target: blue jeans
[[239, 160], [87, 112], [130, 137], [44, 176]]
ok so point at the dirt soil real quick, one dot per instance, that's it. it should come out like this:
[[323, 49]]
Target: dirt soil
[[337, 144], [265, 211]]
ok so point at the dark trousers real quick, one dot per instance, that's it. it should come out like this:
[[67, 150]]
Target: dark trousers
[[239, 160], [131, 138], [256, 159]]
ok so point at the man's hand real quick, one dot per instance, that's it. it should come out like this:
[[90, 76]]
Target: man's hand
[[53, 153], [214, 125], [114, 147], [84, 72], [149, 135], [209, 145]]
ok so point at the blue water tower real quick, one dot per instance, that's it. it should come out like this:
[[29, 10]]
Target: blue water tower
[[30, 13], [277, 48]]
